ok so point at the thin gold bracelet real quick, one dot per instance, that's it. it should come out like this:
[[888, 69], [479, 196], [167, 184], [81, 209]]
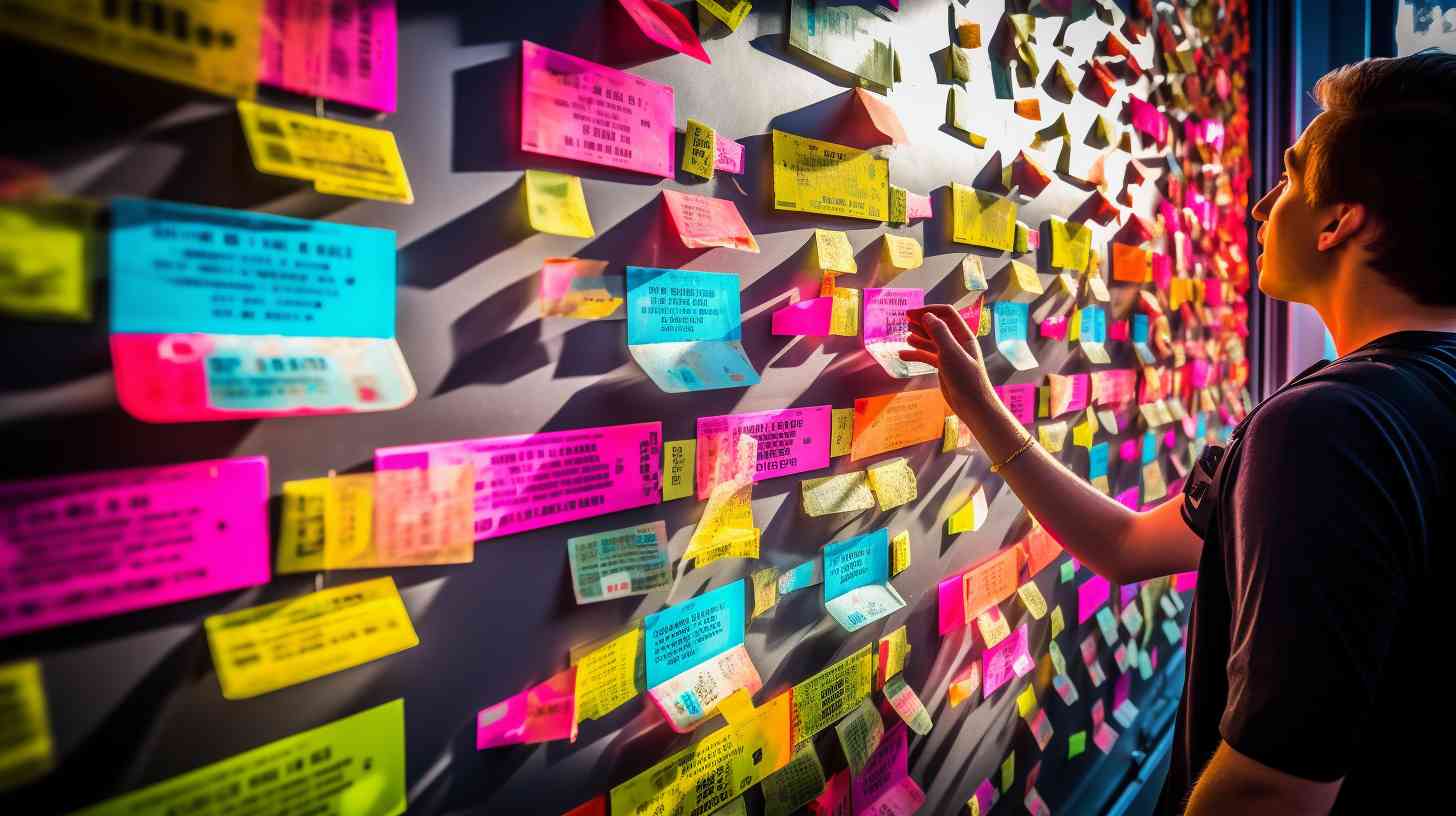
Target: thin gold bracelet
[[996, 467]]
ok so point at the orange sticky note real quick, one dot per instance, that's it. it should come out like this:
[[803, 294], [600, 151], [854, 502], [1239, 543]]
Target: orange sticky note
[[881, 117], [893, 421], [702, 222], [990, 584], [1130, 263], [1028, 109]]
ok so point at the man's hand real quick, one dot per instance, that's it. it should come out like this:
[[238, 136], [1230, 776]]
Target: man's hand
[[941, 338]]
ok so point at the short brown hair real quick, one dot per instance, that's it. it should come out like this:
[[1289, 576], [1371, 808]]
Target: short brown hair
[[1386, 140]]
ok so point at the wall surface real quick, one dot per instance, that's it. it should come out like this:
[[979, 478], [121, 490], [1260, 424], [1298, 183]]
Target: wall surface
[[134, 698]]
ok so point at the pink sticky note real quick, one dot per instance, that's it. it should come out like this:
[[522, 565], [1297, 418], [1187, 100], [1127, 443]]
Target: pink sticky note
[[1119, 330], [1170, 439], [1002, 661], [884, 787], [1113, 387], [886, 329], [728, 155], [1120, 690], [1092, 594], [1200, 374], [540, 714], [344, 50], [115, 541], [1129, 498], [1128, 450], [1081, 389], [971, 313], [1185, 580], [1148, 119], [666, 26], [1098, 713], [1020, 399], [1125, 593], [1055, 327], [559, 92], [790, 441], [986, 796], [1162, 271], [951, 596], [530, 481], [1213, 292], [917, 206], [807, 317], [834, 798], [702, 222], [1105, 736]]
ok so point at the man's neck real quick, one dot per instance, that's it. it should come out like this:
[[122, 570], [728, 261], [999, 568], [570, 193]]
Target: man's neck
[[1362, 307]]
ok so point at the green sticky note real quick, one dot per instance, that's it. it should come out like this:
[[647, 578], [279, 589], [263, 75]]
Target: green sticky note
[[1069, 569], [1076, 744], [350, 767], [1008, 772]]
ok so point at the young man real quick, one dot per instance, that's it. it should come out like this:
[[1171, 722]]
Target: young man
[[1321, 538]]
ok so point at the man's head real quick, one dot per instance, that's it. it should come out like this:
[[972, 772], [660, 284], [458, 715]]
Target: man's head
[[1371, 184]]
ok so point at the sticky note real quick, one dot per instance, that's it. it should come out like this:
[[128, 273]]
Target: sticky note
[[731, 14], [361, 41], [887, 329], [841, 431], [958, 111], [844, 493], [1022, 285], [579, 288], [338, 157], [216, 49], [968, 34], [907, 704], [1026, 701], [993, 626], [556, 204], [1089, 329], [958, 65], [857, 591], [48, 249], [597, 806], [794, 785], [824, 697], [1031, 596], [703, 222], [964, 684], [899, 552], [957, 436], [1052, 435], [973, 274], [832, 252], [1131, 264], [276, 645], [918, 206], [727, 529], [203, 525], [765, 590], [363, 773], [541, 713], [1006, 660], [903, 252], [608, 674], [899, 213], [1154, 486], [728, 155], [557, 87], [700, 151], [686, 634], [807, 574], [970, 516], [1020, 400], [791, 440], [881, 118], [893, 483], [850, 38], [983, 799], [685, 330], [892, 421], [859, 734], [982, 219], [619, 563], [1076, 744], [812, 317], [679, 464], [822, 177], [1011, 326], [885, 785], [894, 649], [1071, 244], [1008, 772], [27, 749]]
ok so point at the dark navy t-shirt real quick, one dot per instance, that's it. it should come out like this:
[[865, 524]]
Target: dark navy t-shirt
[[1320, 615]]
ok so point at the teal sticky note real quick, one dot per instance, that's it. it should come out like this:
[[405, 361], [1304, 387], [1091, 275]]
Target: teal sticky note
[[686, 634], [1150, 446], [856, 562], [181, 268], [1107, 622], [685, 330], [1097, 457], [1069, 570], [801, 577], [1094, 325], [1172, 632]]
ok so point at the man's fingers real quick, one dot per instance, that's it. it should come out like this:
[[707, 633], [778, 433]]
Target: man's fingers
[[920, 341], [918, 356], [947, 315]]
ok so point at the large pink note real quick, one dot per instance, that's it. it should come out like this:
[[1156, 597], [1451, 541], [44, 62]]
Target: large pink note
[[1092, 594], [1020, 399], [1005, 660], [790, 441], [530, 481], [666, 26], [75, 548], [576, 109], [539, 714], [344, 50]]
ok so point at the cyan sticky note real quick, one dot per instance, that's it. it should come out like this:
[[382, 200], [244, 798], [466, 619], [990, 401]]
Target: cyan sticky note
[[181, 268], [1150, 446], [856, 562], [681, 305], [1097, 460], [682, 636], [1094, 325]]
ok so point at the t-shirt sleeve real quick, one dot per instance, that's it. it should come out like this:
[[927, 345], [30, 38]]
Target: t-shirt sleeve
[[1318, 577]]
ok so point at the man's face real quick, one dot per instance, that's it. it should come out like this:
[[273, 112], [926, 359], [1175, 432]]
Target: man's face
[[1291, 267]]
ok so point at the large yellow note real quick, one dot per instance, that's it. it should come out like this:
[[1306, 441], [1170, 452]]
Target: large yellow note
[[823, 177], [823, 698], [556, 204], [339, 158], [983, 219]]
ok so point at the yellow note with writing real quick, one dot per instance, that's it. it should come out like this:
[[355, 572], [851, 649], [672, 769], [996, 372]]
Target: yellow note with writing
[[1082, 432], [328, 524], [903, 252], [339, 158], [1024, 284], [899, 201], [845, 493], [982, 219], [833, 253], [556, 204], [765, 594], [699, 149], [894, 649], [844, 313], [1032, 597], [1071, 244], [841, 432], [287, 642], [993, 626], [893, 483], [26, 747], [726, 529], [828, 695], [208, 44], [900, 553], [679, 460], [47, 248], [608, 674], [822, 177], [1059, 621]]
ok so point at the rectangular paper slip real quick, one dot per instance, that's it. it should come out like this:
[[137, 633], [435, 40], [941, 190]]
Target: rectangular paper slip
[[345, 51], [117, 541], [26, 746], [699, 629], [619, 563], [685, 330], [895, 421], [822, 177], [338, 157], [887, 329], [793, 440]]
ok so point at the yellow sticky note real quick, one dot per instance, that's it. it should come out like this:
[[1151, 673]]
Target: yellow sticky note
[[828, 695], [844, 313], [993, 626], [700, 149], [894, 649], [973, 274], [899, 205], [1024, 284], [1008, 772], [1059, 622], [899, 552], [1082, 432], [956, 436], [841, 432], [224, 62], [1032, 597], [730, 14], [1052, 435], [1071, 244], [765, 590], [608, 674], [46, 251], [1154, 487], [793, 786], [981, 218], [339, 158], [1026, 701], [903, 253], [26, 747], [893, 483], [844, 493], [276, 645], [556, 204], [822, 177], [736, 707], [833, 253], [678, 466], [327, 524], [970, 516]]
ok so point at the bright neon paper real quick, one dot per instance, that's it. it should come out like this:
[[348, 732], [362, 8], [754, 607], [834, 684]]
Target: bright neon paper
[[1020, 399], [884, 787], [344, 50], [1006, 660], [886, 329], [529, 481], [685, 330], [703, 222], [1011, 322], [539, 714], [576, 109], [790, 441], [116, 541], [666, 26], [1092, 595], [857, 589], [696, 630]]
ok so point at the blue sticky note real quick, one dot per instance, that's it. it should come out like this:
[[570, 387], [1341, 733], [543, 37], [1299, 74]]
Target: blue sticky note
[[1097, 460], [856, 562], [678, 305], [1140, 328], [1201, 430], [1150, 446], [180, 268], [1010, 320], [1094, 325], [801, 577], [682, 636]]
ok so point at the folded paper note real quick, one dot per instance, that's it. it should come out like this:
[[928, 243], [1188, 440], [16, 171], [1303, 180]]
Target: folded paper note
[[695, 656], [982, 219], [1011, 327], [619, 563], [542, 713], [665, 26], [703, 222], [792, 440], [685, 330], [887, 329], [845, 493], [581, 289], [555, 204], [850, 38], [857, 589], [339, 158], [893, 483], [1089, 330]]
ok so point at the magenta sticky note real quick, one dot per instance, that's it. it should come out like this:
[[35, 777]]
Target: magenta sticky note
[[1092, 594], [951, 597], [666, 26], [917, 206], [1055, 327], [1081, 387], [1004, 661], [1125, 593], [986, 796], [559, 90], [1120, 330], [836, 791], [807, 317], [1162, 271], [530, 481], [884, 787], [793, 440], [1129, 498], [1020, 399], [1184, 581], [1170, 439], [116, 541], [343, 50], [1120, 690], [539, 714], [1148, 119], [1128, 450], [728, 155]]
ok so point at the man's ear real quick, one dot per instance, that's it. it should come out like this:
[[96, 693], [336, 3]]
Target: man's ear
[[1345, 223]]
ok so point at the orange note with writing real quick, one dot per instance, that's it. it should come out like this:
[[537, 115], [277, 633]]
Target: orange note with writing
[[1130, 263], [1041, 549], [991, 583], [894, 421]]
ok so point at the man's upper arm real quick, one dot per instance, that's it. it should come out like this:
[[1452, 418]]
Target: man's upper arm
[[1319, 581], [1162, 543]]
